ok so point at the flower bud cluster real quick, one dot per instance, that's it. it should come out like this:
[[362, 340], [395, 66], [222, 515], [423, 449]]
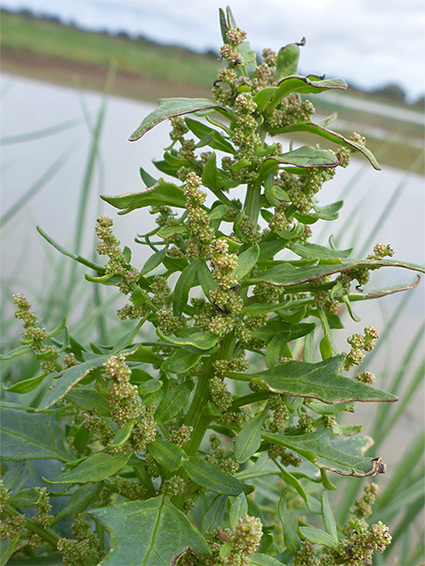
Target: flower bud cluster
[[99, 427], [277, 406], [126, 404], [249, 230], [220, 395], [382, 250], [223, 264], [232, 56], [43, 517], [235, 36], [179, 128], [117, 263], [287, 458], [132, 312], [292, 109], [182, 435], [127, 488], [324, 301], [86, 544], [198, 222], [245, 134], [362, 507], [35, 336], [366, 377], [12, 527], [173, 486], [361, 543], [359, 343], [232, 547], [169, 323]]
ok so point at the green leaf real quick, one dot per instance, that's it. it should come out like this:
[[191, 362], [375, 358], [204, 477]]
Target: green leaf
[[68, 379], [146, 178], [259, 559], [313, 251], [182, 287], [169, 107], [123, 434], [217, 141], [249, 438], [95, 468], [168, 455], [316, 536], [213, 478], [31, 436], [80, 500], [149, 386], [312, 503], [286, 331], [303, 85], [192, 337], [290, 535], [246, 261], [238, 509], [145, 355], [328, 518], [161, 194], [321, 448], [174, 401], [148, 533], [88, 400], [7, 549], [205, 278], [331, 136], [26, 385], [263, 96], [216, 180], [320, 381], [325, 347], [181, 361], [289, 275], [153, 261], [16, 353], [287, 61], [96, 267], [307, 156]]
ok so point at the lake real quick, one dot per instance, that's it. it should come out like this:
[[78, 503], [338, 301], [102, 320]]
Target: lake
[[29, 107]]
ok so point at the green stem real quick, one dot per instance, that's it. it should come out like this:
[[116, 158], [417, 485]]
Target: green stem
[[252, 203]]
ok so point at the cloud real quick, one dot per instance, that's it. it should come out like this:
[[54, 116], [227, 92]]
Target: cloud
[[364, 42]]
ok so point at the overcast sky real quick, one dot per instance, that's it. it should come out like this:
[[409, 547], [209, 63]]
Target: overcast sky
[[369, 43]]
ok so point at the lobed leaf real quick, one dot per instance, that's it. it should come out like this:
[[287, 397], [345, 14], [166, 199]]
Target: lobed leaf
[[168, 108], [321, 448], [288, 275], [320, 381], [331, 136], [69, 378], [31, 436], [213, 478], [307, 156], [168, 455], [162, 193], [95, 468], [148, 533]]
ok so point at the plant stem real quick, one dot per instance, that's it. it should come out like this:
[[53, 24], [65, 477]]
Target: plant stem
[[252, 203]]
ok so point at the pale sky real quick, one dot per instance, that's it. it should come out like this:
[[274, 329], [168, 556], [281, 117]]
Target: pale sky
[[369, 43]]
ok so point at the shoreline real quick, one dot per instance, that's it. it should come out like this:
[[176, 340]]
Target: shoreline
[[87, 76], [91, 77]]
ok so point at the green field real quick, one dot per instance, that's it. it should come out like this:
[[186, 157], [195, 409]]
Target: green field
[[47, 50]]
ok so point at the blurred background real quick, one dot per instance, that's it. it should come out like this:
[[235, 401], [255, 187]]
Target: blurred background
[[78, 77]]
